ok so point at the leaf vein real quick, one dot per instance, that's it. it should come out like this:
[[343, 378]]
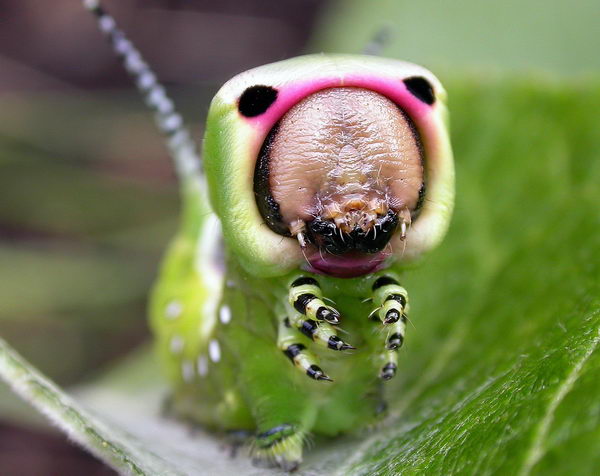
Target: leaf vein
[[537, 450]]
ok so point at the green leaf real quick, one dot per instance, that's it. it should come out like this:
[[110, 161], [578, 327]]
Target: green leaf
[[119, 420], [107, 441], [501, 370]]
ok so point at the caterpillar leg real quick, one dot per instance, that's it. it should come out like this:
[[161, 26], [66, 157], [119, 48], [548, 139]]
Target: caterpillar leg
[[305, 296], [391, 301], [310, 316], [321, 333], [303, 360]]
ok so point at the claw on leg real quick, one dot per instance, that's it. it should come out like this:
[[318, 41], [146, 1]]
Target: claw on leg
[[306, 297], [320, 332], [302, 359]]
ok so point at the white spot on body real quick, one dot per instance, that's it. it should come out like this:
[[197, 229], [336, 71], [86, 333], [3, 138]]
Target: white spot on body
[[214, 350], [173, 310], [176, 345], [187, 370], [203, 366], [225, 314]]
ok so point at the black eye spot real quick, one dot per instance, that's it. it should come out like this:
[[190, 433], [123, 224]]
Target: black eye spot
[[256, 99], [421, 89]]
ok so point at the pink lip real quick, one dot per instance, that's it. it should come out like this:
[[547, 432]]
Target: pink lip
[[345, 266]]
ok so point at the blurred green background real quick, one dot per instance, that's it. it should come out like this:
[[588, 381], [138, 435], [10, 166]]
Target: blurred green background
[[88, 199]]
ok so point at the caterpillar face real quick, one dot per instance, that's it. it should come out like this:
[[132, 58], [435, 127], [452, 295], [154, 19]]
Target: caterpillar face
[[341, 171], [339, 165]]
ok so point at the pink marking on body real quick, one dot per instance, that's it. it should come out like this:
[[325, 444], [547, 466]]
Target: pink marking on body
[[392, 88], [395, 90], [287, 97]]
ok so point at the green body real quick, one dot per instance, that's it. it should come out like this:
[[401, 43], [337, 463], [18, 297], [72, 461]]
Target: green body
[[253, 385]]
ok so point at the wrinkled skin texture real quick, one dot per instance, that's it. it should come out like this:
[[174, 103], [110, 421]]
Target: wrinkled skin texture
[[340, 146]]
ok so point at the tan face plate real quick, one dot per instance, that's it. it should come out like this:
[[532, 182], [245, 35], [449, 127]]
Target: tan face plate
[[347, 155]]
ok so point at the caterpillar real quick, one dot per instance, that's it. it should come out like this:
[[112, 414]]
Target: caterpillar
[[279, 308]]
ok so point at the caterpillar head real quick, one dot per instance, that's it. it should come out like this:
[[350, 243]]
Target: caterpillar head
[[337, 164]]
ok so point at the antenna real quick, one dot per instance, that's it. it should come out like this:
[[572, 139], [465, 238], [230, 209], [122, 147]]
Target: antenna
[[180, 143]]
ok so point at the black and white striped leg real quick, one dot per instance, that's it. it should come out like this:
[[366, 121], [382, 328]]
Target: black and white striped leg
[[303, 360], [391, 308], [182, 147], [321, 333], [306, 297], [395, 335], [390, 300], [390, 365]]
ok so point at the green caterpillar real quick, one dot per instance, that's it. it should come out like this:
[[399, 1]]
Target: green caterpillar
[[323, 176]]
